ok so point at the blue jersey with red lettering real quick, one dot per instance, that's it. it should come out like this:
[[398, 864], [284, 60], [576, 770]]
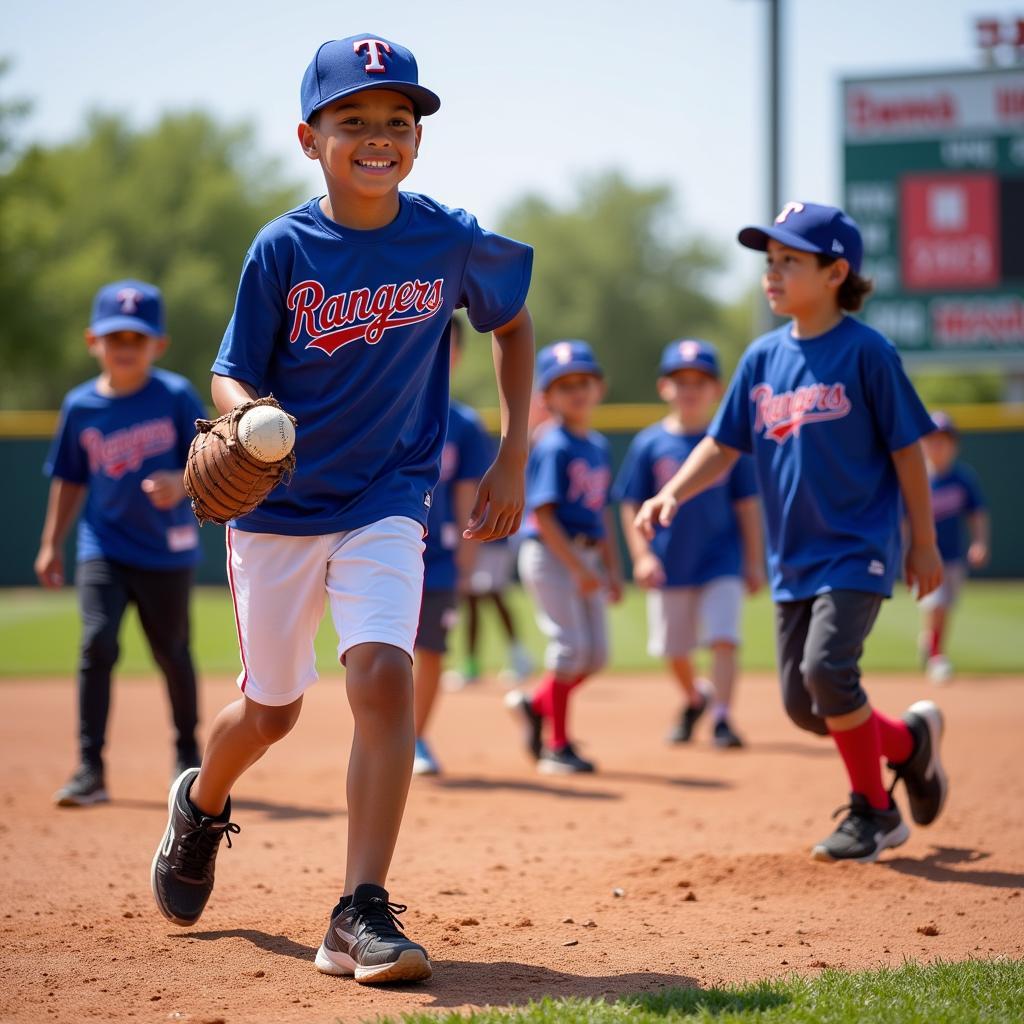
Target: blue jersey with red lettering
[[572, 473], [110, 444], [703, 542], [821, 417], [349, 331], [467, 454], [955, 494]]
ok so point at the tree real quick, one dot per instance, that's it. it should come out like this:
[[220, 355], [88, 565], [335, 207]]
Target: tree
[[176, 204]]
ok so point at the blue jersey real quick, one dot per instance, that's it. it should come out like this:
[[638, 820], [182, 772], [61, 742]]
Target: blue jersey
[[955, 494], [821, 417], [703, 542], [467, 454], [573, 474], [110, 444], [350, 332]]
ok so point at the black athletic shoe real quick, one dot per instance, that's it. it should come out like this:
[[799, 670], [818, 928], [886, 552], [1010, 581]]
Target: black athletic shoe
[[365, 939], [724, 736], [691, 715], [564, 761], [182, 871], [922, 772], [519, 703], [85, 787], [864, 833], [183, 762]]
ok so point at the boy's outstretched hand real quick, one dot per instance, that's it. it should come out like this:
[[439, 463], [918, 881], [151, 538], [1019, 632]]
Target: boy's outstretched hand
[[923, 568], [498, 508], [165, 488], [654, 512]]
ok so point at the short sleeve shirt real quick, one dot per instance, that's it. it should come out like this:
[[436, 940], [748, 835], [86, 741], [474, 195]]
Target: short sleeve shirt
[[110, 444], [703, 543], [821, 417], [955, 494], [349, 330]]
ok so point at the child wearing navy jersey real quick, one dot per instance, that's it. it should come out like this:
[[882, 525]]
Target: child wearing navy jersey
[[694, 571], [448, 557], [956, 500], [343, 313], [118, 457], [568, 561], [833, 423]]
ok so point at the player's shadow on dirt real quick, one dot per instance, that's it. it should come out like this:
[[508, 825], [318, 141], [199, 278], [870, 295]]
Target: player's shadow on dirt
[[943, 865], [274, 812], [793, 747], [655, 779], [279, 944], [474, 784]]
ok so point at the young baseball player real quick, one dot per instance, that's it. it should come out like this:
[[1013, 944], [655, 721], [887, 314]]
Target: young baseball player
[[956, 499], [448, 557], [568, 560], [694, 571], [117, 457], [833, 423], [342, 313]]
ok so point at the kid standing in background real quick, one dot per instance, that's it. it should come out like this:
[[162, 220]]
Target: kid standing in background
[[448, 557], [568, 561], [956, 497], [120, 448], [833, 423], [694, 570]]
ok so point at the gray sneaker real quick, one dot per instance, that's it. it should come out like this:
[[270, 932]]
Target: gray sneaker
[[182, 870], [85, 787], [365, 940], [864, 833]]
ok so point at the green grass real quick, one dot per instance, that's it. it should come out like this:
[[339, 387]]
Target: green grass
[[39, 633], [973, 992]]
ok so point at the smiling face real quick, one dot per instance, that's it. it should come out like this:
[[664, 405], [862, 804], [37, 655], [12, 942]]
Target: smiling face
[[366, 143], [573, 397], [125, 357], [691, 394], [795, 285]]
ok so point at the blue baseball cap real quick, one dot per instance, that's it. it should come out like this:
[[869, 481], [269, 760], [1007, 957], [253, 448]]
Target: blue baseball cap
[[944, 423], [562, 358], [128, 306], [689, 354], [365, 61], [810, 227]]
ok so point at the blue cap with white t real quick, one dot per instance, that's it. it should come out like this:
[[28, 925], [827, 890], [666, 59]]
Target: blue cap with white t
[[563, 358], [128, 306], [810, 227], [689, 354]]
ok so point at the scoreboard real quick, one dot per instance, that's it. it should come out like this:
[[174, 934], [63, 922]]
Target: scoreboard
[[934, 176]]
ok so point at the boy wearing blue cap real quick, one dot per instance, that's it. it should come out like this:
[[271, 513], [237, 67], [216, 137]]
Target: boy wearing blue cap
[[343, 313], [568, 560], [694, 571], [118, 457], [826, 409], [956, 500]]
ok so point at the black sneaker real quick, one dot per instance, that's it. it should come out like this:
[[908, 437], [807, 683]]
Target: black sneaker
[[519, 703], [724, 736], [922, 772], [183, 762], [182, 871], [365, 939], [85, 787], [864, 833], [691, 715], [564, 761]]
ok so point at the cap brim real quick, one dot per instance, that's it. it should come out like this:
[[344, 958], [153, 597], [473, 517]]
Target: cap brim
[[754, 237], [668, 369], [112, 324], [426, 102], [565, 369]]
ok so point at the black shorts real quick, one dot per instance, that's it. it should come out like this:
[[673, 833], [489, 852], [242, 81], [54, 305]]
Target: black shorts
[[438, 615]]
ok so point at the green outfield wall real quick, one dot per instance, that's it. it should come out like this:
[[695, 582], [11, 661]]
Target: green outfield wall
[[992, 443]]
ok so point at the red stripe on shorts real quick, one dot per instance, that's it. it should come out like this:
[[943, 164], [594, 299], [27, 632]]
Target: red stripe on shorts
[[234, 604]]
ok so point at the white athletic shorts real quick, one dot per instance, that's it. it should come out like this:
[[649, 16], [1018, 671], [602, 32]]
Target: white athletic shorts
[[946, 593], [681, 619], [373, 577], [492, 572]]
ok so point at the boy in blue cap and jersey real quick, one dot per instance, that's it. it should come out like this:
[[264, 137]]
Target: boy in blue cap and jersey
[[343, 313], [834, 425]]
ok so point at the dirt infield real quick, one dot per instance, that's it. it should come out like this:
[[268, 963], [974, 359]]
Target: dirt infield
[[511, 876]]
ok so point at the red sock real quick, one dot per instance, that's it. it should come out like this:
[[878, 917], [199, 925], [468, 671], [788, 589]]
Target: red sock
[[541, 699], [861, 751], [895, 738], [934, 643], [560, 712]]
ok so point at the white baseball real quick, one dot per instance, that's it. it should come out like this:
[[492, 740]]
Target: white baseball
[[266, 433]]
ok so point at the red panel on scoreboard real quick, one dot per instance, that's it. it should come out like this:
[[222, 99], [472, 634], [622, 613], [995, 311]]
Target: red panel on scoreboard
[[950, 231]]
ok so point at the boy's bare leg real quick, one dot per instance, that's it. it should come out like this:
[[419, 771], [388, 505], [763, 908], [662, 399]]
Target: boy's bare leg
[[380, 693], [682, 669], [241, 734], [426, 677], [723, 672]]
